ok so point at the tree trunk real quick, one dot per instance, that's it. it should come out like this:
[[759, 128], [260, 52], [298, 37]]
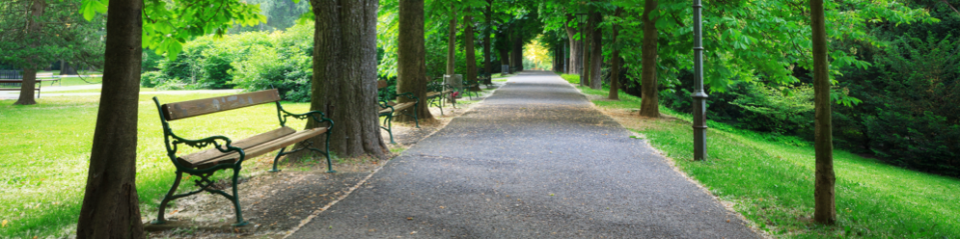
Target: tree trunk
[[825, 208], [596, 59], [516, 54], [411, 64], [487, 68], [344, 84], [505, 60], [575, 61], [471, 53], [67, 69], [28, 87], [650, 98], [110, 207], [615, 60], [452, 43]]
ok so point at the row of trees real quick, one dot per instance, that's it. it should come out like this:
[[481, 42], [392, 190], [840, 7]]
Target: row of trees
[[748, 41]]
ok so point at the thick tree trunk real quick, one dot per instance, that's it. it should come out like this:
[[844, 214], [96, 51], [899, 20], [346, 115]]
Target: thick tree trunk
[[344, 84], [471, 53], [110, 206], [615, 60], [650, 98], [28, 87], [411, 64], [596, 53], [487, 67], [575, 59], [585, 74], [825, 207]]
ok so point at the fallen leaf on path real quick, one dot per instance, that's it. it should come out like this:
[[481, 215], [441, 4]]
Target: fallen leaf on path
[[409, 218], [4, 223]]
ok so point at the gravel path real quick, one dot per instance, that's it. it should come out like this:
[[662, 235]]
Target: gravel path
[[535, 160]]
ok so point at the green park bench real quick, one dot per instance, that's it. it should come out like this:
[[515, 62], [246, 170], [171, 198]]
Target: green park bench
[[13, 78], [389, 108], [468, 85], [437, 92], [229, 154]]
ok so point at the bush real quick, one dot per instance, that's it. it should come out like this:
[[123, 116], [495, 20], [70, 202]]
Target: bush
[[151, 79]]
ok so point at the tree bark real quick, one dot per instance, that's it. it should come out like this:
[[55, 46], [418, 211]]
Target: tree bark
[[110, 207], [452, 43], [471, 53], [505, 59], [28, 87], [516, 54], [487, 67], [615, 60], [825, 208], [650, 98], [596, 59], [575, 61], [411, 52], [585, 37], [344, 84]]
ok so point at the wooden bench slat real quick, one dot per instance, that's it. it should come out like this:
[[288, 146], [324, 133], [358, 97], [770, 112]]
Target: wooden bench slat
[[263, 148], [397, 107], [191, 108], [244, 143], [382, 84]]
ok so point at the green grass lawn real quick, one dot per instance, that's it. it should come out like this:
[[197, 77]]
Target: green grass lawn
[[770, 181], [46, 148]]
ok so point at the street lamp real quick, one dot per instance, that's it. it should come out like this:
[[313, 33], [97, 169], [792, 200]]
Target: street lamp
[[699, 97], [581, 21]]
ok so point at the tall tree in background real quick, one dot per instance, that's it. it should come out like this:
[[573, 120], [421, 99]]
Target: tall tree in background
[[596, 52], [576, 60], [35, 33], [110, 206], [615, 61], [650, 99], [487, 68], [825, 207], [344, 84], [468, 48], [411, 53]]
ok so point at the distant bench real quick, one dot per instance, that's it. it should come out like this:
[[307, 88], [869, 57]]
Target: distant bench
[[437, 91], [388, 108], [228, 154], [20, 81]]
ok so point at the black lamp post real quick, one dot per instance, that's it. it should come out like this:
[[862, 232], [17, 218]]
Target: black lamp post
[[581, 21], [699, 97]]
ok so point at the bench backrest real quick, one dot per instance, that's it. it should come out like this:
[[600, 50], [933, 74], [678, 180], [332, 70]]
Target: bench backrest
[[382, 84], [192, 108], [10, 74]]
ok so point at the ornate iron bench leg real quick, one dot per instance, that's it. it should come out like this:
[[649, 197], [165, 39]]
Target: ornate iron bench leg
[[389, 122], [167, 198], [236, 198], [327, 153], [277, 158]]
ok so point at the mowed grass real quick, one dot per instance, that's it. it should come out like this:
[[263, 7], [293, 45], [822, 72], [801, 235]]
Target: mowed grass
[[46, 151], [770, 180]]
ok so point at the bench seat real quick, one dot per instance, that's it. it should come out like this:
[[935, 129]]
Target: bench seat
[[252, 147], [397, 107]]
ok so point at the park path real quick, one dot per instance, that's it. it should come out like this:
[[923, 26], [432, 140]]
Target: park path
[[534, 160]]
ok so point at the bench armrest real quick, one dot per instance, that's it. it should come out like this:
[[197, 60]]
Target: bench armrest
[[316, 115], [221, 143], [409, 95]]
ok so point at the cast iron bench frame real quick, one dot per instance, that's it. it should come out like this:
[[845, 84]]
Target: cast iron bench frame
[[437, 92], [387, 109], [228, 154]]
